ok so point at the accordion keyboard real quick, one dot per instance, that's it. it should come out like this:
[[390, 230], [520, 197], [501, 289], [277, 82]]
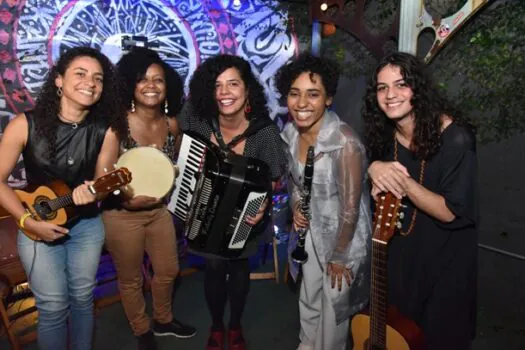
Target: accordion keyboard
[[190, 162]]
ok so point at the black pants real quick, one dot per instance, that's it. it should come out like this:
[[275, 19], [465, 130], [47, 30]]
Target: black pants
[[226, 280]]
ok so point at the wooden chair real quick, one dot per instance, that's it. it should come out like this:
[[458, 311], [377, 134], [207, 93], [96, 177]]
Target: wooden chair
[[272, 274], [11, 275]]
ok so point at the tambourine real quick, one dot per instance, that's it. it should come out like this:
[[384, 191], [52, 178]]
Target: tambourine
[[153, 172]]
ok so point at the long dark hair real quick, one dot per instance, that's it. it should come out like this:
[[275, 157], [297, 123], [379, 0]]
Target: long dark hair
[[133, 66], [108, 106], [428, 103], [202, 87]]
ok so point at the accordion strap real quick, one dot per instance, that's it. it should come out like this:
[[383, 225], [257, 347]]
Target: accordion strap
[[254, 126]]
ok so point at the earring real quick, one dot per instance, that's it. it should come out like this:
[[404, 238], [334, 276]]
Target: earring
[[132, 106], [166, 107], [59, 91], [247, 107]]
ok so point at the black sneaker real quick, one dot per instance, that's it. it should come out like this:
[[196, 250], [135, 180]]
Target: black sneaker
[[175, 328], [147, 341]]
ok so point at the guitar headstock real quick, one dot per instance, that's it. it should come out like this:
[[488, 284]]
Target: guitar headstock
[[112, 181], [386, 217]]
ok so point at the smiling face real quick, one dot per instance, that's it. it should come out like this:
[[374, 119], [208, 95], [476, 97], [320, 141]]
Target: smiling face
[[150, 90], [307, 101], [230, 93], [81, 83], [394, 95]]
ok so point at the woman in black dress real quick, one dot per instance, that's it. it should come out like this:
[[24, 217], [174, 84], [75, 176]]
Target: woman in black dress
[[425, 152]]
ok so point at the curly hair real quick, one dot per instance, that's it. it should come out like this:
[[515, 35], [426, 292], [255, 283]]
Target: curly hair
[[133, 66], [326, 68], [428, 105], [202, 87], [47, 106]]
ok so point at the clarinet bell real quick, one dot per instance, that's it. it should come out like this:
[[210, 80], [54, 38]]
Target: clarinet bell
[[299, 255]]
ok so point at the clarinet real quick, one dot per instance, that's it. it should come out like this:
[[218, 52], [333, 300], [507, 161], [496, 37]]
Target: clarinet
[[299, 255]]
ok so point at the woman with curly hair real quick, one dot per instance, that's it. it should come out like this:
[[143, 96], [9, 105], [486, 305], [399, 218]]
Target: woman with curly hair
[[71, 135], [336, 275], [424, 152], [153, 91], [229, 109]]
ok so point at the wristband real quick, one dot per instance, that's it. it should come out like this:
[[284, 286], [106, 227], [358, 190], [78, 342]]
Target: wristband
[[23, 219]]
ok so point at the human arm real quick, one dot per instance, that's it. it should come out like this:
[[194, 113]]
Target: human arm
[[272, 152], [12, 144], [452, 197], [349, 177]]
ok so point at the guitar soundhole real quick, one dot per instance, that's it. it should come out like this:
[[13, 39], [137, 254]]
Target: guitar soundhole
[[43, 209]]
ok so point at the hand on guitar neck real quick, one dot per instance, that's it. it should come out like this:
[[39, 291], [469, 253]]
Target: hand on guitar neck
[[53, 205]]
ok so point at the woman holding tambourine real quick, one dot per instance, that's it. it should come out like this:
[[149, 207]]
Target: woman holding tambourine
[[140, 222]]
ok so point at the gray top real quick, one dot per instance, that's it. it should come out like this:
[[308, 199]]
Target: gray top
[[340, 222]]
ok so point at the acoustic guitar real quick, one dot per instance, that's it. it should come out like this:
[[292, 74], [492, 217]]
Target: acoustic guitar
[[383, 327], [54, 202]]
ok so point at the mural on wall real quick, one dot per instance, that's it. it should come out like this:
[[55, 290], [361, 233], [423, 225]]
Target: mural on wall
[[33, 34]]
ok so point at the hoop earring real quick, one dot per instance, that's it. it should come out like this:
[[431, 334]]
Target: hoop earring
[[166, 107], [132, 106], [59, 92], [247, 107]]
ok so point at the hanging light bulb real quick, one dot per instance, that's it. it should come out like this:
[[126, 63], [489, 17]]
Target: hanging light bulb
[[236, 2], [324, 6]]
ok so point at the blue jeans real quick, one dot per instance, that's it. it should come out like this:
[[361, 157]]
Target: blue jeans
[[62, 277]]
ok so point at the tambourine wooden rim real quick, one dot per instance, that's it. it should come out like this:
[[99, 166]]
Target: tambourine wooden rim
[[152, 171]]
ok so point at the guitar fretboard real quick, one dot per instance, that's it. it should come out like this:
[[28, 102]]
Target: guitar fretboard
[[378, 295], [60, 202]]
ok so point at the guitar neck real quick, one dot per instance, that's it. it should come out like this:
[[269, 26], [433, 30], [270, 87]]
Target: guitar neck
[[61, 202], [378, 294]]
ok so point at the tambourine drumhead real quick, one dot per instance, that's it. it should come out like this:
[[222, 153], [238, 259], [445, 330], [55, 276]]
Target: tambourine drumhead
[[152, 171]]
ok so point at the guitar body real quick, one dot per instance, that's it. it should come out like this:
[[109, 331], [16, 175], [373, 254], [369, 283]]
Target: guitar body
[[401, 333], [54, 202], [34, 199]]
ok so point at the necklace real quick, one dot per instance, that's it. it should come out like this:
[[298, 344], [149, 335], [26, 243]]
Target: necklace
[[421, 175], [74, 124]]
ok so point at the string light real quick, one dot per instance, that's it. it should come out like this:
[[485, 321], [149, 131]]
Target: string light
[[324, 6]]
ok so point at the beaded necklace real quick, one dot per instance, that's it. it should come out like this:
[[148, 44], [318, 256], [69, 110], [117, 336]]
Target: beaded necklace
[[421, 175]]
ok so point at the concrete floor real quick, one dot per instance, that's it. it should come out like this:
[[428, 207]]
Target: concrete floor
[[271, 317]]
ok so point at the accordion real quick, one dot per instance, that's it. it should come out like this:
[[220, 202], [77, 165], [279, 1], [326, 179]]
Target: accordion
[[214, 194]]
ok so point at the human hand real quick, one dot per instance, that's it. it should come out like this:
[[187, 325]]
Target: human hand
[[253, 220], [299, 220], [82, 194], [46, 231], [389, 177], [337, 273]]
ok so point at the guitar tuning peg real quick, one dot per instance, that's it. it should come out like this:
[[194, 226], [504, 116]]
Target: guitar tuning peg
[[116, 192], [105, 170], [404, 206], [399, 225], [401, 215]]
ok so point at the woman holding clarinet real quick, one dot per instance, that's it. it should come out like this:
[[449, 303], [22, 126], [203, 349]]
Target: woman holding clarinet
[[333, 217]]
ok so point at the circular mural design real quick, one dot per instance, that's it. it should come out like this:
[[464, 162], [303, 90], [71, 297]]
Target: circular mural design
[[33, 34]]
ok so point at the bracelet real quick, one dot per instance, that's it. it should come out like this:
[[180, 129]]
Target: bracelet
[[23, 218]]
